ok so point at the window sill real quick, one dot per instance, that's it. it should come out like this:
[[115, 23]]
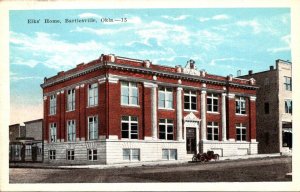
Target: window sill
[[212, 112], [187, 110], [70, 110], [52, 114], [92, 106], [123, 105], [126, 139], [167, 109], [244, 115]]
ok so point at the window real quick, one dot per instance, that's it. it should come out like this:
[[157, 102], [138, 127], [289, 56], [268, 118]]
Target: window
[[190, 100], [131, 154], [288, 106], [70, 154], [92, 154], [129, 93], [169, 154], [71, 100], [213, 131], [267, 108], [267, 81], [240, 132], [53, 104], [28, 150], [93, 127], [93, 95], [166, 129], [129, 127], [53, 136], [71, 128], [288, 83], [240, 105], [212, 103], [165, 98], [52, 154]]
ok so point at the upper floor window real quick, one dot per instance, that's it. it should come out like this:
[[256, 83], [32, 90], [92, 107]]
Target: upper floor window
[[165, 98], [53, 136], [288, 83], [53, 104], [212, 103], [288, 106], [240, 132], [213, 131], [71, 130], [129, 127], [267, 108], [240, 105], [93, 127], [93, 94], [71, 100], [166, 128], [190, 100], [129, 93]]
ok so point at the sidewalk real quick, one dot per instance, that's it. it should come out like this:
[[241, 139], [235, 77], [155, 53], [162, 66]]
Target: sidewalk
[[135, 164]]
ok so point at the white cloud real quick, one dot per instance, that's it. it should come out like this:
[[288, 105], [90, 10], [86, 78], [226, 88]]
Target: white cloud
[[220, 17], [255, 25], [215, 17], [89, 15], [54, 53], [286, 47], [181, 17]]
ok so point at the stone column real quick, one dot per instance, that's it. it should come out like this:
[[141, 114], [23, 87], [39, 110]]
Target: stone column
[[224, 117], [154, 111], [252, 115], [203, 115], [179, 113]]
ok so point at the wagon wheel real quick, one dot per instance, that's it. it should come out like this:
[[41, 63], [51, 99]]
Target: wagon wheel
[[202, 158], [216, 157], [194, 158]]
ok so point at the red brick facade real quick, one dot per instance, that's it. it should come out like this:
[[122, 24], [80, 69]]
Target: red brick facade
[[109, 71]]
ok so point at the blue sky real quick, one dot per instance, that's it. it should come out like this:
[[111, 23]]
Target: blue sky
[[220, 40]]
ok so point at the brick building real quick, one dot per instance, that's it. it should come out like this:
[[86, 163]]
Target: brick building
[[274, 107], [116, 110]]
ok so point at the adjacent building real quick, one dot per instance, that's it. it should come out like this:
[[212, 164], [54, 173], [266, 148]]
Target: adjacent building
[[274, 107], [117, 110], [26, 142]]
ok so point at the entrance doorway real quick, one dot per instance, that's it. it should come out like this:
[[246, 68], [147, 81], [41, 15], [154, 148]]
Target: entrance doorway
[[190, 140]]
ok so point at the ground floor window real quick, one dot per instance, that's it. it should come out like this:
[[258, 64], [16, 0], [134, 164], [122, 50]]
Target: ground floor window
[[92, 154], [70, 154], [52, 154], [131, 154], [213, 131], [169, 154], [240, 132]]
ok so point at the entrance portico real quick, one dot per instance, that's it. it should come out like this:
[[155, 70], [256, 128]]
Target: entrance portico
[[191, 133]]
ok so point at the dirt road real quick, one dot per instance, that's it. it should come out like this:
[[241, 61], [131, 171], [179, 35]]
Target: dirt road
[[266, 169]]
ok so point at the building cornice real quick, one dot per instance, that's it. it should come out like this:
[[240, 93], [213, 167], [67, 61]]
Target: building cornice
[[175, 75]]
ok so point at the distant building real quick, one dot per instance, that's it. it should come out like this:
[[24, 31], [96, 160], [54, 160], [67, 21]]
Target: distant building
[[28, 145], [116, 110], [274, 107], [16, 131]]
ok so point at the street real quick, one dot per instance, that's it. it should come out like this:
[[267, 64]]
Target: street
[[250, 170]]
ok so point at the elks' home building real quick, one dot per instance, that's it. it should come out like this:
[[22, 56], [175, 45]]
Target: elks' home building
[[116, 109]]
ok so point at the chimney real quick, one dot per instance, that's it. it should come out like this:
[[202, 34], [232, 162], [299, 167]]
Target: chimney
[[250, 72], [271, 67], [239, 73]]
